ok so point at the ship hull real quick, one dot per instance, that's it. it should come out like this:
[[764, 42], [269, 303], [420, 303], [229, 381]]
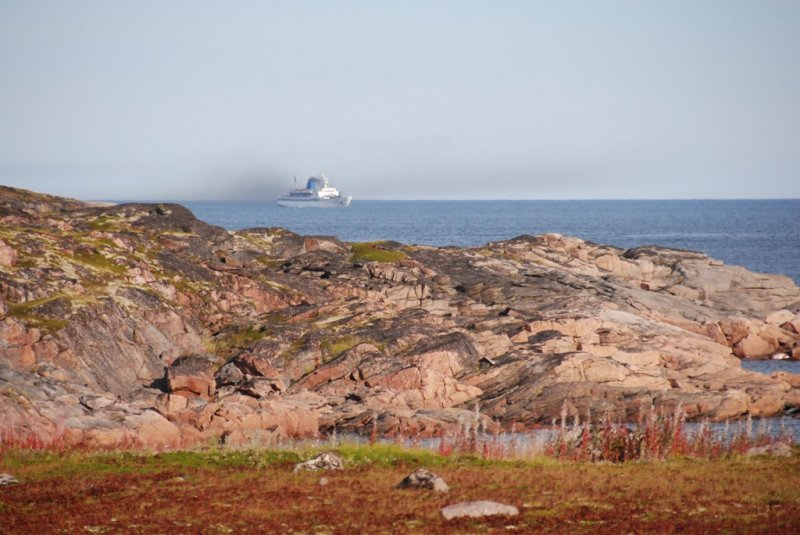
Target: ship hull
[[341, 202]]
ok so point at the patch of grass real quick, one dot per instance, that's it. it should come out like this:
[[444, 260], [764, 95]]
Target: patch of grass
[[27, 313], [43, 464], [257, 491], [296, 346], [238, 337], [186, 285], [250, 335], [335, 347], [25, 263], [178, 234], [214, 458], [103, 223], [20, 310], [267, 261], [51, 325], [101, 262], [101, 242], [383, 454], [375, 252]]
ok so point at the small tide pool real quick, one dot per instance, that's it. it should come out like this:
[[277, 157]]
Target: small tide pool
[[771, 366]]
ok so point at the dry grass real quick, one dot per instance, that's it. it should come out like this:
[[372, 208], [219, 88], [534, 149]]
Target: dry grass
[[375, 252], [256, 492]]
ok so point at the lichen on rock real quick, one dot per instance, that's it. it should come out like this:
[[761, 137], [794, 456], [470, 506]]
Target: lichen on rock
[[140, 324]]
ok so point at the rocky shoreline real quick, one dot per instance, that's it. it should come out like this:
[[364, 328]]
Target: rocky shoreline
[[138, 324]]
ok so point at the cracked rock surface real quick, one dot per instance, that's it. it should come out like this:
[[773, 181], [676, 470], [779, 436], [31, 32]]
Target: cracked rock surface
[[139, 324]]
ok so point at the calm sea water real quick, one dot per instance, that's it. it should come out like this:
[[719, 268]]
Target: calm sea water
[[762, 235]]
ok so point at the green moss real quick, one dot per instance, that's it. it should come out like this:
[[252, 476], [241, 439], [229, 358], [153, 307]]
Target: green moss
[[183, 285], [47, 464], [178, 234], [267, 261], [51, 325], [28, 314], [250, 335], [101, 262], [104, 242], [103, 222], [186, 285], [43, 464], [25, 263], [237, 338], [375, 252], [296, 346], [333, 348], [274, 285], [390, 454], [216, 457]]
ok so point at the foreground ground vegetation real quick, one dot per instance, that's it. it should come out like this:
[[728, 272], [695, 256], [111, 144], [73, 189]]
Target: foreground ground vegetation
[[257, 491]]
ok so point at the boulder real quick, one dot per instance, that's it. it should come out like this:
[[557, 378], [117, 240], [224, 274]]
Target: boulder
[[776, 449], [168, 404], [261, 387], [422, 478], [229, 374], [779, 317], [752, 347], [324, 461], [151, 429], [792, 379], [193, 375], [7, 479], [795, 323], [735, 329], [478, 509], [716, 333]]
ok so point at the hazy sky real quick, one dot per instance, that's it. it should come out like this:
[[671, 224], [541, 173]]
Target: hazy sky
[[500, 99]]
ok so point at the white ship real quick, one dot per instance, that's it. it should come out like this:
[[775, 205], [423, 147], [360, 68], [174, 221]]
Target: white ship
[[318, 193]]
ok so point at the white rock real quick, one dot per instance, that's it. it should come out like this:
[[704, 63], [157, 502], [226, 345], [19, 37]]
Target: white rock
[[422, 478], [7, 479], [478, 509], [323, 461], [778, 449]]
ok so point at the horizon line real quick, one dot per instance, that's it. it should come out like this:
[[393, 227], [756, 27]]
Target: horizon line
[[610, 199]]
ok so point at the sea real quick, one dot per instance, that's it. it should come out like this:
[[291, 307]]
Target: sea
[[761, 235]]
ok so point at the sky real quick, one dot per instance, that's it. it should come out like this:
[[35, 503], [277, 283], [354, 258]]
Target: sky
[[201, 100]]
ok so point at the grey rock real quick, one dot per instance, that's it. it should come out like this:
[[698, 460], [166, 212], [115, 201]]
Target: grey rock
[[260, 387], [778, 449], [478, 509], [229, 374], [422, 478], [96, 402], [7, 479], [193, 374], [324, 461]]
